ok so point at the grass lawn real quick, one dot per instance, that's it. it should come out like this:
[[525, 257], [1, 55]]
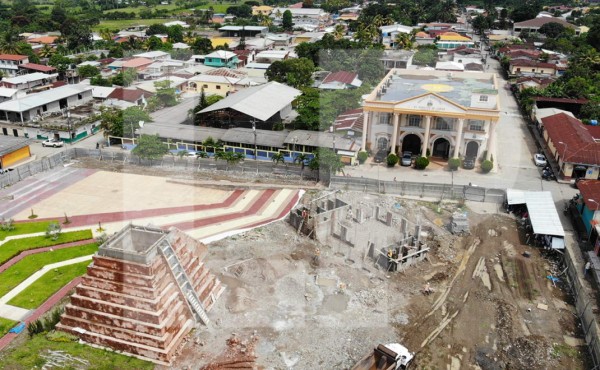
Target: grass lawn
[[13, 247], [6, 325], [28, 355], [135, 10], [124, 23], [26, 228], [38, 292], [21, 270]]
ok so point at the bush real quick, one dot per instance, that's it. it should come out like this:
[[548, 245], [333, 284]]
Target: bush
[[454, 164], [486, 166], [421, 163], [362, 156], [392, 160]]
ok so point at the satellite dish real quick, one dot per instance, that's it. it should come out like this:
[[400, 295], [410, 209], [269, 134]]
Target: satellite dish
[[141, 123]]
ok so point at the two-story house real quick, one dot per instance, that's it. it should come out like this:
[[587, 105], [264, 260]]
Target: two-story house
[[221, 58], [9, 63], [389, 33], [432, 113]]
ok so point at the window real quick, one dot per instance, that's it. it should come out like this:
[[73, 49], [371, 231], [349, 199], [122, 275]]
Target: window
[[384, 118], [444, 124], [476, 125], [518, 69], [44, 108], [205, 86], [532, 69], [414, 121], [483, 98], [218, 87], [79, 96]]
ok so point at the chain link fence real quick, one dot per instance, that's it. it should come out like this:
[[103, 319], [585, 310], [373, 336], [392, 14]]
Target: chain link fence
[[418, 189], [584, 304]]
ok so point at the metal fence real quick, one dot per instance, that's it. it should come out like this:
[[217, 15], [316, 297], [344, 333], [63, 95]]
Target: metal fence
[[584, 306], [258, 168], [418, 189]]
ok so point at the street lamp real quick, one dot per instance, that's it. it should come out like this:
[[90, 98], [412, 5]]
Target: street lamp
[[565, 152], [254, 132]]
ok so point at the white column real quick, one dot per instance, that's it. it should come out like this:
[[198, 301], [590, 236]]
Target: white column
[[364, 131], [458, 140], [427, 133], [491, 139], [395, 133]]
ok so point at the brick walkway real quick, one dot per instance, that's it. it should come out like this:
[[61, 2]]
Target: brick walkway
[[93, 219], [26, 253], [45, 307]]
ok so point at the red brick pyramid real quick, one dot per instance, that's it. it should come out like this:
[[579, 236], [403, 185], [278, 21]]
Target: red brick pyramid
[[144, 292]]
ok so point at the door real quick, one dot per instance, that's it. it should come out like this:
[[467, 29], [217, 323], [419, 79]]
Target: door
[[441, 148]]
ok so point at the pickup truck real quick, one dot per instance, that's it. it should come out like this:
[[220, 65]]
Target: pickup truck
[[391, 356]]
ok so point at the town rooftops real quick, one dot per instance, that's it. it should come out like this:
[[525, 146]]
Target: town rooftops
[[43, 40], [41, 98], [38, 67], [580, 146], [531, 63], [13, 57], [151, 54], [350, 120], [214, 79], [7, 92], [453, 36], [590, 191], [23, 79], [136, 62], [299, 11], [182, 132], [263, 137], [9, 144], [539, 22], [261, 102], [396, 28], [456, 86], [320, 139], [130, 95], [221, 54]]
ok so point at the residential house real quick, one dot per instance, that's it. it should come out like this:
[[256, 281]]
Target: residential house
[[126, 97], [340, 80], [281, 40], [574, 146], [247, 31], [9, 64], [177, 83], [449, 66], [271, 56], [136, 63], [6, 93], [221, 58], [464, 55], [389, 33], [440, 115], [309, 37], [307, 18], [453, 40], [155, 55], [533, 25], [177, 23], [262, 10], [29, 81], [589, 208], [423, 38], [43, 103], [525, 67], [33, 68], [401, 59], [349, 123], [245, 56], [212, 85]]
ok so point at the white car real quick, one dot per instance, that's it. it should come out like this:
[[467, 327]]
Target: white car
[[540, 160], [53, 143]]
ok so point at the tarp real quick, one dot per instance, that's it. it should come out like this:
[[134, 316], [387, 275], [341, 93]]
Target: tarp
[[541, 208]]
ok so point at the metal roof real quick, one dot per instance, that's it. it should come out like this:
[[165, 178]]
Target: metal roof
[[31, 77], [182, 132], [541, 208], [319, 139], [36, 100], [261, 102], [9, 144], [246, 28], [263, 137], [7, 92]]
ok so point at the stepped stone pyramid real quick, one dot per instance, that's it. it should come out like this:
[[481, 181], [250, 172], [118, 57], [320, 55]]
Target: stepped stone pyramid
[[144, 292]]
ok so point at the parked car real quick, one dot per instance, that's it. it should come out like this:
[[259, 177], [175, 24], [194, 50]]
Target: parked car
[[380, 156], [53, 143], [540, 160], [406, 159], [469, 163], [5, 170]]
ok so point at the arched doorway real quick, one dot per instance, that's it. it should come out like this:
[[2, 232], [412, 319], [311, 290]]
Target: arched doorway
[[472, 149], [382, 143], [411, 143], [441, 148]]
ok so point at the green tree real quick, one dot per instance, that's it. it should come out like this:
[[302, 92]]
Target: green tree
[[60, 62], [552, 29], [481, 23], [392, 160], [175, 33], [296, 72], [76, 33], [425, 57], [405, 40], [132, 116], [165, 93], [9, 42], [308, 108], [202, 45], [593, 35], [277, 157], [286, 20], [150, 147], [157, 29], [326, 162], [88, 71]]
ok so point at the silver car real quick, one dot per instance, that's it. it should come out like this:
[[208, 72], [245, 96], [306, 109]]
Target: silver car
[[53, 143], [406, 159]]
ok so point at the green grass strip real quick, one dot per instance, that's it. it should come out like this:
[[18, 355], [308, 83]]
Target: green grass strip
[[51, 282], [6, 325], [28, 355], [26, 228], [13, 247], [17, 273]]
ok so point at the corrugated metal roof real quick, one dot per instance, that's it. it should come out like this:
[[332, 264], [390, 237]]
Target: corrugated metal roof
[[182, 132], [41, 98], [541, 208], [263, 137], [9, 144], [319, 139], [261, 102]]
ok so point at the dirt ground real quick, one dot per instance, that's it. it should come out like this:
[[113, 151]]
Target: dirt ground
[[492, 307]]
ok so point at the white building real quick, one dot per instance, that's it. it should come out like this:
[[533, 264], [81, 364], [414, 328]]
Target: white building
[[315, 18], [9, 63], [389, 33], [29, 81]]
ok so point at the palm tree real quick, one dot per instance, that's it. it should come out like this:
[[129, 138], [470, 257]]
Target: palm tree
[[277, 157], [9, 42], [106, 34], [405, 40], [47, 51], [339, 31], [264, 20], [301, 158]]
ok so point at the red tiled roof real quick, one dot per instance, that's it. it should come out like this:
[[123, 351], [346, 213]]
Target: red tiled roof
[[523, 52], [579, 145], [58, 84], [137, 62], [464, 50], [43, 40], [226, 72], [590, 189], [38, 67], [14, 57], [350, 120], [130, 95], [341, 76], [531, 63], [296, 6], [508, 48]]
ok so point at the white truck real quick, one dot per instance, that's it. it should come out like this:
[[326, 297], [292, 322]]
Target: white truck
[[393, 356]]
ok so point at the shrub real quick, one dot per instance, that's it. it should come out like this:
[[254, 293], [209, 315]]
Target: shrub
[[362, 156], [486, 166], [61, 336], [35, 327], [53, 231], [7, 224], [392, 160], [454, 163], [421, 163]]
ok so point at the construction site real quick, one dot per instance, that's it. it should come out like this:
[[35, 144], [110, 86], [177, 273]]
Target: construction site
[[269, 278]]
